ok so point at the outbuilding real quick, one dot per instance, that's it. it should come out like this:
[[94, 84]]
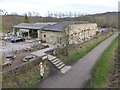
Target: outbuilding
[[57, 32]]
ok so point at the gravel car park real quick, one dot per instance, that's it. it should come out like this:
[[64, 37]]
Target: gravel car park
[[16, 52]]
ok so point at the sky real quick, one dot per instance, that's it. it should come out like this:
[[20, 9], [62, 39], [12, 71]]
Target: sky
[[43, 6]]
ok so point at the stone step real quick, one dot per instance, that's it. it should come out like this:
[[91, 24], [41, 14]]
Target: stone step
[[54, 60], [65, 69], [61, 66], [57, 62], [50, 57]]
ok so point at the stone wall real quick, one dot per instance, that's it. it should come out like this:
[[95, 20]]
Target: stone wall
[[52, 37], [77, 33], [21, 67], [82, 32]]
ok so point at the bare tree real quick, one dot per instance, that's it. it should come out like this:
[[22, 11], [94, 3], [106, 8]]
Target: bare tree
[[29, 13], [14, 13], [3, 12], [26, 19], [70, 14], [54, 14], [35, 13], [66, 36], [48, 14]]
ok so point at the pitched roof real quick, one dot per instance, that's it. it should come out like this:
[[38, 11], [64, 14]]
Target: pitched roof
[[62, 25], [49, 26], [33, 25]]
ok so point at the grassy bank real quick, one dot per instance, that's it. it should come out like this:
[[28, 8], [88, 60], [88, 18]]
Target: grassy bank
[[26, 78], [1, 30], [104, 67], [78, 51]]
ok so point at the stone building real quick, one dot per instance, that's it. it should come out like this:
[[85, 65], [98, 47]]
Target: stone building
[[57, 32]]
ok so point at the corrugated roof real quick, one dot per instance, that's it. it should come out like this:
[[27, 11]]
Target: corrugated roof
[[49, 26], [33, 25]]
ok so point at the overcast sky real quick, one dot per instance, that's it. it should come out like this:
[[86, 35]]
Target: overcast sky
[[43, 6]]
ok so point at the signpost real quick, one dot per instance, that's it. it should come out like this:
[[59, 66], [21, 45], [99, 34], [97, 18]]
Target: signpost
[[41, 70]]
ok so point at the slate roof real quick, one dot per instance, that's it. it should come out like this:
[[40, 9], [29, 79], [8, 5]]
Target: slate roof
[[33, 25], [61, 25], [49, 26]]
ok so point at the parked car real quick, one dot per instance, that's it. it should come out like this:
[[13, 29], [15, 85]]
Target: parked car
[[28, 58], [17, 40], [10, 37], [10, 57]]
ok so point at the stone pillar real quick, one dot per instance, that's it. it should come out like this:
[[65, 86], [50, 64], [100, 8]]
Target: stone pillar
[[39, 34], [13, 31]]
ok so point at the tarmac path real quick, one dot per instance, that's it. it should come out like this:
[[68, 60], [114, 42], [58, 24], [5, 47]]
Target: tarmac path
[[80, 71]]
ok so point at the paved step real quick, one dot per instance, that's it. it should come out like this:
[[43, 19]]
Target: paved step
[[54, 60], [50, 57], [65, 69], [57, 62], [61, 66]]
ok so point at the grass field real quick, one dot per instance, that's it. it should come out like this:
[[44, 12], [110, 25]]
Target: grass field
[[103, 68]]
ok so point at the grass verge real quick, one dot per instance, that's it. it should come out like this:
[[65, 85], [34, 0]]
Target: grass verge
[[103, 68], [76, 52]]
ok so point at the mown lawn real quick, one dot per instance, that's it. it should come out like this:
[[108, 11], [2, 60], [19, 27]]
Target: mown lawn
[[78, 51], [103, 68]]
